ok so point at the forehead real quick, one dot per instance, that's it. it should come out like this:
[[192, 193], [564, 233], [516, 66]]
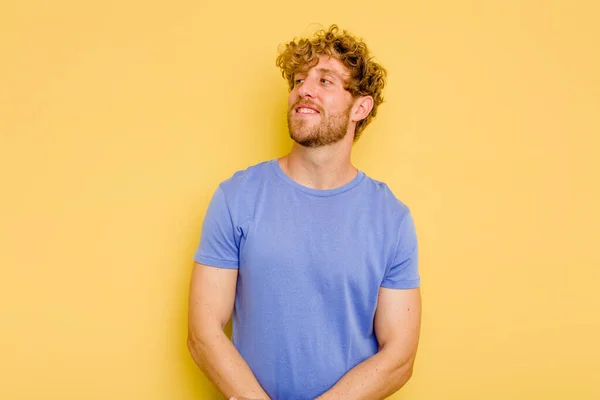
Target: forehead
[[327, 64]]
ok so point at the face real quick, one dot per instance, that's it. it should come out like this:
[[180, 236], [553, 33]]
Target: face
[[318, 106]]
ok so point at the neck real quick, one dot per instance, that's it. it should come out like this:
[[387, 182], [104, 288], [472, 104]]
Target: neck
[[323, 168]]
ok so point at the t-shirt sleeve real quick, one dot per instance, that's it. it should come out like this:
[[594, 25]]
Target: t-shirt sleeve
[[218, 245], [403, 273]]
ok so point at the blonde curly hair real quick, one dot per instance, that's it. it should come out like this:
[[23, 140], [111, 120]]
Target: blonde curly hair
[[367, 78]]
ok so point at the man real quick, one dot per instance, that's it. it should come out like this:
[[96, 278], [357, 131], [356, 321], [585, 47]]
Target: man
[[318, 260]]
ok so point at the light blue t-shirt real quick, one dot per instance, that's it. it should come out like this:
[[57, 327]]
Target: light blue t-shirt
[[311, 263]]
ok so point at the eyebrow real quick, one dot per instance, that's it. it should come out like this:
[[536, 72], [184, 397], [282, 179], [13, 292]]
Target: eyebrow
[[330, 71], [325, 71]]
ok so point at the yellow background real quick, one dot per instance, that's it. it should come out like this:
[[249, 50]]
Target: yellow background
[[119, 119]]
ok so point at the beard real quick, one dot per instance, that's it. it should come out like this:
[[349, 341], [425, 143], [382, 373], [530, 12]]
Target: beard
[[329, 130]]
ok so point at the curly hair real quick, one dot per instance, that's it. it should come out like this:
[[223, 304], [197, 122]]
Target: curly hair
[[367, 78]]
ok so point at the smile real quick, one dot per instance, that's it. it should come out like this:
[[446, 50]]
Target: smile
[[304, 109]]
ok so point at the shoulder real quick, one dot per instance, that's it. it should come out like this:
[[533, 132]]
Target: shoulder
[[244, 180], [385, 199], [245, 188]]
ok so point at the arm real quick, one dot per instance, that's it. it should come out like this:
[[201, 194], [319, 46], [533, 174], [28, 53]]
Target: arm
[[212, 294], [397, 324]]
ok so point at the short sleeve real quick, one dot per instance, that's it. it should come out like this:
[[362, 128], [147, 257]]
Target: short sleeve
[[403, 273], [218, 246]]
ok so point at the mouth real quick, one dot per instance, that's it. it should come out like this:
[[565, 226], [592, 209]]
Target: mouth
[[306, 110]]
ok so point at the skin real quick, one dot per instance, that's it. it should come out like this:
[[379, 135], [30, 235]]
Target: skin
[[322, 87], [319, 159]]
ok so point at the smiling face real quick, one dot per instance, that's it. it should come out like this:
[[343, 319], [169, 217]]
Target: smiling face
[[319, 106]]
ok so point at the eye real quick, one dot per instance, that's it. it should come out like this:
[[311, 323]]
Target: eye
[[298, 81], [325, 81]]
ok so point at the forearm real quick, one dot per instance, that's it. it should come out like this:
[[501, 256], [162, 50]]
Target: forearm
[[375, 378], [220, 361]]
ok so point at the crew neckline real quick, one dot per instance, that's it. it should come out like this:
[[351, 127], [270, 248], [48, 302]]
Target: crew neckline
[[316, 192]]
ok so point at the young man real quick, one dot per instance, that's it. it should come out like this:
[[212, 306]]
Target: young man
[[318, 261]]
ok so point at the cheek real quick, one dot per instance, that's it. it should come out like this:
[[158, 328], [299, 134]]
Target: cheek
[[334, 105], [292, 99]]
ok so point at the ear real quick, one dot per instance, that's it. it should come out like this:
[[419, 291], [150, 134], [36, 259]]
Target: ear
[[362, 108]]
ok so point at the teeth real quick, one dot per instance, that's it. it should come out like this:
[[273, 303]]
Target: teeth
[[306, 111]]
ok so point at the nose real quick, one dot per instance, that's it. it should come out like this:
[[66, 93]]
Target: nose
[[307, 88]]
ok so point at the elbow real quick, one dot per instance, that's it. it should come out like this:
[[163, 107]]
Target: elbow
[[192, 337], [195, 340], [408, 374], [401, 370], [194, 345], [201, 343], [197, 351], [191, 345], [401, 364], [405, 371]]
